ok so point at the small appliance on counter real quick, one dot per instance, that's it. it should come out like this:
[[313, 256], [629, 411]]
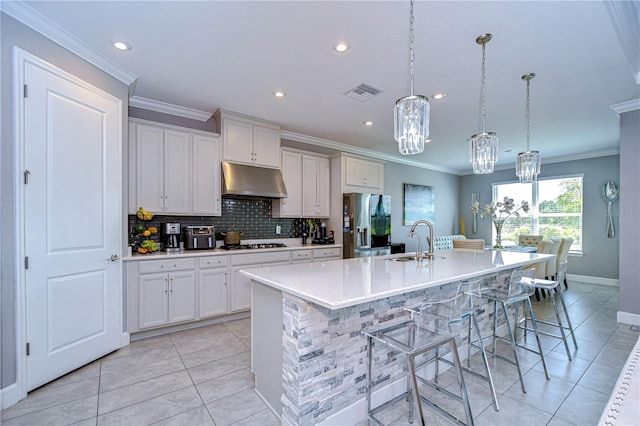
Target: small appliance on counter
[[199, 238], [321, 236], [171, 236]]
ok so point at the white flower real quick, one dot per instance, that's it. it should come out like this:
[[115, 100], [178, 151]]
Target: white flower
[[502, 210], [475, 206]]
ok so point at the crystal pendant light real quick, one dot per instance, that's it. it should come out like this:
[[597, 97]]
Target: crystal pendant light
[[528, 162], [411, 114], [483, 146]]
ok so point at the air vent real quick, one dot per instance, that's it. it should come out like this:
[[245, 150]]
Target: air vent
[[362, 92]]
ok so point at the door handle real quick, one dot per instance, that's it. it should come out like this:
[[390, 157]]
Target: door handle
[[113, 258]]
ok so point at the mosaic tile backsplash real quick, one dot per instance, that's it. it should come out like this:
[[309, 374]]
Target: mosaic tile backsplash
[[252, 217]]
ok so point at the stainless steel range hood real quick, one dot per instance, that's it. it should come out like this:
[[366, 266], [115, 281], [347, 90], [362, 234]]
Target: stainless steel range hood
[[252, 181]]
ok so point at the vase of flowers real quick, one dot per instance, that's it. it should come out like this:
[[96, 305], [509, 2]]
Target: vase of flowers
[[475, 207], [500, 212]]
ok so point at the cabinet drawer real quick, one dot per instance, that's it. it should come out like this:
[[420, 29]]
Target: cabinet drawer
[[213, 261], [322, 253], [165, 265], [301, 255], [253, 258]]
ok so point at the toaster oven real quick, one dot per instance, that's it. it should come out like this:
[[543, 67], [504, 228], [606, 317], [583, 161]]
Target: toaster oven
[[199, 238]]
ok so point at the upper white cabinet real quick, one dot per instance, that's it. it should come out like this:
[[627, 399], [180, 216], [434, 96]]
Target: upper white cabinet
[[315, 186], [173, 170], [248, 140], [361, 174], [292, 176]]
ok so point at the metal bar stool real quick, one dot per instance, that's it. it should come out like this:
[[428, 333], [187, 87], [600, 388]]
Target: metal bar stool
[[458, 310], [415, 337], [550, 285], [519, 290]]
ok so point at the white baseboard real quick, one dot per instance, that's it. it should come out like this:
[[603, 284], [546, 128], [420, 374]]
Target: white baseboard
[[125, 339], [9, 396], [612, 282], [628, 318]]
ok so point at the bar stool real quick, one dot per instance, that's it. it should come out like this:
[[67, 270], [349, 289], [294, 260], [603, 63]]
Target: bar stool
[[550, 285], [520, 288], [415, 337], [458, 310]]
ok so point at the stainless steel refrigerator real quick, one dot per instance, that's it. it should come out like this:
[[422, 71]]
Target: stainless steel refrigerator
[[366, 225]]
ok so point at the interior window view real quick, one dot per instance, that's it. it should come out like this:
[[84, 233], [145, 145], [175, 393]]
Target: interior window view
[[343, 213]]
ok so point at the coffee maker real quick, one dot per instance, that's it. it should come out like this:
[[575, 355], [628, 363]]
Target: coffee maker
[[171, 232]]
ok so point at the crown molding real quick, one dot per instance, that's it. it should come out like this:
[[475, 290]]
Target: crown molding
[[166, 108], [28, 16], [325, 143], [622, 107]]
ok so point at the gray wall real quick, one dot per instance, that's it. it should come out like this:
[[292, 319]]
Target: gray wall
[[12, 34], [629, 213], [600, 253], [446, 200]]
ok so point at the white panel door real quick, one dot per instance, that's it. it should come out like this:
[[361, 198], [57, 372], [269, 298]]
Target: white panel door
[[177, 172], [72, 222]]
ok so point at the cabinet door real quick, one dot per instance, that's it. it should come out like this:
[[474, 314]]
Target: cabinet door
[[309, 185], [240, 291], [206, 176], [266, 147], [292, 175], [149, 172], [177, 172], [212, 284], [323, 187], [353, 174], [152, 300], [237, 141], [371, 174], [182, 296]]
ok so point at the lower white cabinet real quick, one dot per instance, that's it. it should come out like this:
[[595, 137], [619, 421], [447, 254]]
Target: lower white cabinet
[[213, 296], [166, 298]]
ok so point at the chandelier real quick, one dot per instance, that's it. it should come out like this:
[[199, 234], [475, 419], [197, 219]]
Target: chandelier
[[483, 146], [411, 113], [528, 162]]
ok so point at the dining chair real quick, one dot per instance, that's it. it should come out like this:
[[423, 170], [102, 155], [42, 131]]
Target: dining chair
[[529, 240], [544, 247], [563, 255], [471, 243]]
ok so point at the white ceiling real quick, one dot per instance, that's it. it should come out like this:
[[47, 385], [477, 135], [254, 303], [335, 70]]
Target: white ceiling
[[206, 55]]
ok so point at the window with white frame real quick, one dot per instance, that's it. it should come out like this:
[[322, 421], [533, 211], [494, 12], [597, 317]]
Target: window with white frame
[[555, 209]]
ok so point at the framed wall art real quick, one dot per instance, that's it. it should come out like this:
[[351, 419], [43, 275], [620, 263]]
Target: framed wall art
[[419, 203]]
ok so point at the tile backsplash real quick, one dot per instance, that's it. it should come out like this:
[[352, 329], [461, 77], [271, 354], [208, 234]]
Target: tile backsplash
[[251, 216]]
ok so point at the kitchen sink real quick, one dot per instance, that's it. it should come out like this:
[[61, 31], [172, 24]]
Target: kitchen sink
[[403, 259]]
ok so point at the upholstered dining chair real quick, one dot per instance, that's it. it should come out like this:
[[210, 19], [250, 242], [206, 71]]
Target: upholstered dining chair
[[470, 243], [563, 255], [544, 247], [529, 240]]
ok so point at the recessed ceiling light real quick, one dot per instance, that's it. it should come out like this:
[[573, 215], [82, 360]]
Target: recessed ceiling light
[[279, 94], [438, 96], [368, 123], [121, 45], [341, 46]]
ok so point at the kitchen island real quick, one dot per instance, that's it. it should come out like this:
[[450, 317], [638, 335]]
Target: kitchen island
[[308, 355]]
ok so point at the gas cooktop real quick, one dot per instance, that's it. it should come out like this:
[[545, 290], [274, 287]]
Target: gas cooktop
[[253, 246]]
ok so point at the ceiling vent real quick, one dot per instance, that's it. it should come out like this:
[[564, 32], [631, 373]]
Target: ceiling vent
[[362, 92]]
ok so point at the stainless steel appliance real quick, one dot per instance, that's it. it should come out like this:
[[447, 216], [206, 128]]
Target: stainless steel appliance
[[199, 238], [171, 236], [366, 225]]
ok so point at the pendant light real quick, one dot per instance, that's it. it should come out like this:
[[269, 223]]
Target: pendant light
[[483, 146], [528, 162], [411, 113]]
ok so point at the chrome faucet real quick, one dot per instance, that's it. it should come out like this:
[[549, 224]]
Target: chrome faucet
[[420, 255]]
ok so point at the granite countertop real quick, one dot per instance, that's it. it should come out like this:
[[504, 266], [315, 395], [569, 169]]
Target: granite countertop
[[218, 251], [338, 284]]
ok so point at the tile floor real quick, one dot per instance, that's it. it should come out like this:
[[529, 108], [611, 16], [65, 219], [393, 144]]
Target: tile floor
[[202, 377]]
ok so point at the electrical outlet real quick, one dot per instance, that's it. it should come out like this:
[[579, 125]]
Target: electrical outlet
[[278, 230]]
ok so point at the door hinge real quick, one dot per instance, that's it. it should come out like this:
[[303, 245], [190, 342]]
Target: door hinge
[[26, 176], [26, 262], [28, 348], [26, 91]]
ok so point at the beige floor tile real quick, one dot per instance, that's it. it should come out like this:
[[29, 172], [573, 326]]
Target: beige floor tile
[[194, 417], [62, 414], [207, 342], [82, 373], [142, 345], [222, 386], [235, 407], [138, 359], [583, 406], [545, 395], [212, 370], [121, 378], [262, 418], [511, 413], [198, 333]]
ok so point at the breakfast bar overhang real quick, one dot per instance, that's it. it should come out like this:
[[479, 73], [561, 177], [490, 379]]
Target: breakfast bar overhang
[[308, 355]]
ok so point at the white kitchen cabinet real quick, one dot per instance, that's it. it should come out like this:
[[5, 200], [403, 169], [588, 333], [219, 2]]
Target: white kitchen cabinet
[[327, 253], [173, 170], [213, 296], [301, 256], [315, 186], [206, 182], [166, 298], [363, 175], [248, 140], [291, 206], [240, 290]]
